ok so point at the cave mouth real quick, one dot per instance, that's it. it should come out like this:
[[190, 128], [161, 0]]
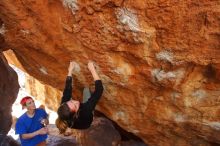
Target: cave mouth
[[17, 110]]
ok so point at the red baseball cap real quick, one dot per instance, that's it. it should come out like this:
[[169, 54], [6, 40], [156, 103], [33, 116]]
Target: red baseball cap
[[24, 100]]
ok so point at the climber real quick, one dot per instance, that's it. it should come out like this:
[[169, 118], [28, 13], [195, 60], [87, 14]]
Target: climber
[[72, 113], [31, 126]]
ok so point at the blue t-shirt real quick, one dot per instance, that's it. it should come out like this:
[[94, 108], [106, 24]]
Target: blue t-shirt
[[26, 125]]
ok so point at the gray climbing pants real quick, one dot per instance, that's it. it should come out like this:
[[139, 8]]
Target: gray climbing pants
[[86, 94]]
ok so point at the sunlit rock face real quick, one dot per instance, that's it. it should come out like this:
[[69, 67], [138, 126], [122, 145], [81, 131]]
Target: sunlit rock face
[[48, 95], [8, 93], [159, 60]]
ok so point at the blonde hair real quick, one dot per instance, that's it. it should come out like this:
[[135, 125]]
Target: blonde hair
[[61, 125]]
